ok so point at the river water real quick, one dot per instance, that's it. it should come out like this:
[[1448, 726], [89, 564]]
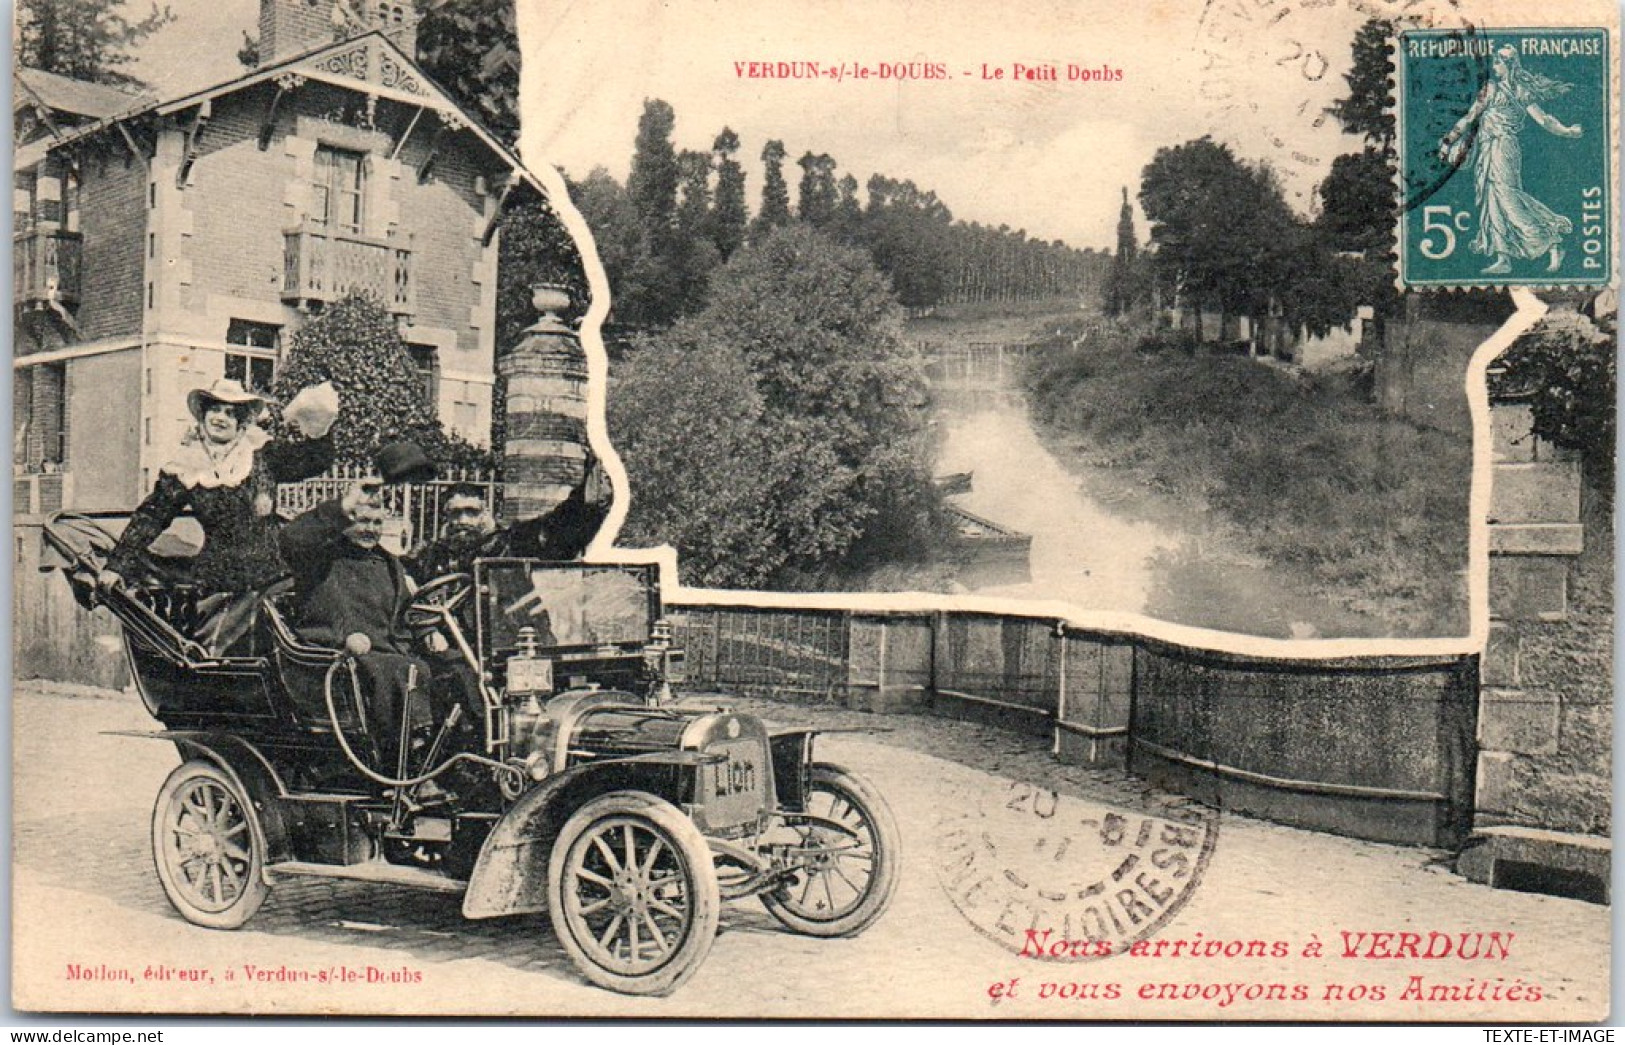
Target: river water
[[1081, 553], [1087, 554]]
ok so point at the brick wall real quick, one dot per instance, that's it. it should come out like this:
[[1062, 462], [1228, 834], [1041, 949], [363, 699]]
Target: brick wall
[[113, 221], [234, 202], [290, 27], [237, 251]]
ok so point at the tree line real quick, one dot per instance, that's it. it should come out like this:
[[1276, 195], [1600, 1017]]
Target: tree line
[[684, 212]]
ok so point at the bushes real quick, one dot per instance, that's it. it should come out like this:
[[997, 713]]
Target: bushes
[[1565, 366], [354, 344], [1371, 508], [1184, 342]]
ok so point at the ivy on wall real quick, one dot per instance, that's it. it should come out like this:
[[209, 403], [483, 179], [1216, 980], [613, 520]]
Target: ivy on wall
[[354, 344], [1565, 369]]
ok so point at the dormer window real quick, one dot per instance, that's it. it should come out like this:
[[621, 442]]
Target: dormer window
[[340, 189]]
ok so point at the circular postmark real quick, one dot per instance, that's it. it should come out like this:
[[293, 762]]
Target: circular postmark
[[1293, 82], [1061, 878]]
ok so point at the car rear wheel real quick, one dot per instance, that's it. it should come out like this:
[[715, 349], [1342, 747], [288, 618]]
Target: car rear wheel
[[633, 893], [207, 848], [847, 847]]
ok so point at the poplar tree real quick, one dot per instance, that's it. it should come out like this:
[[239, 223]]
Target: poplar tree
[[816, 205], [775, 210], [728, 210]]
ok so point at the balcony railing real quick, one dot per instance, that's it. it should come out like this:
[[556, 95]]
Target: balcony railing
[[45, 267], [322, 264]]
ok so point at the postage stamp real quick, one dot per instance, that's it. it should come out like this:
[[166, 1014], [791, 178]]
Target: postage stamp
[[1505, 139]]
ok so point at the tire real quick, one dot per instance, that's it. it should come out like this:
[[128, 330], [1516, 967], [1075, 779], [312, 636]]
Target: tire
[[207, 847], [608, 910], [841, 891]]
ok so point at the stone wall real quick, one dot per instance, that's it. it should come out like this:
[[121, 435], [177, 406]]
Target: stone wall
[[1547, 704]]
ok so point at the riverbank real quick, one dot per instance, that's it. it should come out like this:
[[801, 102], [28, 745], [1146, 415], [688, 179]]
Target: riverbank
[[1310, 512]]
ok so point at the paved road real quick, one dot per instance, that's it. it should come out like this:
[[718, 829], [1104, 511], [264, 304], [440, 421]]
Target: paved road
[[85, 894]]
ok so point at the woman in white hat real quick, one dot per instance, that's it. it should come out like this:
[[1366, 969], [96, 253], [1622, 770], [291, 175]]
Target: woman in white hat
[[226, 472]]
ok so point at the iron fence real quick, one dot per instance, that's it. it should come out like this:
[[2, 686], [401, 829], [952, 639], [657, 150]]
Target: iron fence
[[417, 505]]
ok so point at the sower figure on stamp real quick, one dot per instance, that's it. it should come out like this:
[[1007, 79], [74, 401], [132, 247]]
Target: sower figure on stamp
[[1511, 222], [226, 471]]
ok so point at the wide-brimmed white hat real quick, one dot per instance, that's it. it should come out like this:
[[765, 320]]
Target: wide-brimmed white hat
[[225, 390]]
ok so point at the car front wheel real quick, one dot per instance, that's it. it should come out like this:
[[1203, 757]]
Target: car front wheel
[[206, 847], [633, 893], [845, 852]]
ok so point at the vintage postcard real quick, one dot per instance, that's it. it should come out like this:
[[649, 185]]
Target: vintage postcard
[[931, 510]]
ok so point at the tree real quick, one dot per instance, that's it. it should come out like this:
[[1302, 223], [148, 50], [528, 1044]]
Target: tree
[[1123, 291], [1357, 202], [1358, 205], [907, 232], [83, 39], [817, 201], [617, 234], [695, 254], [775, 209], [848, 226], [794, 383], [652, 185], [354, 344], [711, 474], [471, 48], [1191, 194], [728, 210], [1365, 109]]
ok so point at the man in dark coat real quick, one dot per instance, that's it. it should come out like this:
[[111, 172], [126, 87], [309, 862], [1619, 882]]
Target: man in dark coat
[[346, 584], [471, 532]]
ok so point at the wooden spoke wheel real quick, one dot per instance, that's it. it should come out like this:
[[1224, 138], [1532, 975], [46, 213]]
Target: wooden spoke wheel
[[207, 847], [845, 850], [633, 893]]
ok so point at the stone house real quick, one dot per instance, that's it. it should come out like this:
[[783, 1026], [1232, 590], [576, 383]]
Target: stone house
[[162, 244]]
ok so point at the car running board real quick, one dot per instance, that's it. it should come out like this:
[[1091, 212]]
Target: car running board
[[369, 871]]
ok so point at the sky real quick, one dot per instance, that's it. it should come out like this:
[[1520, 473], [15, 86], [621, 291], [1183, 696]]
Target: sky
[[1050, 157]]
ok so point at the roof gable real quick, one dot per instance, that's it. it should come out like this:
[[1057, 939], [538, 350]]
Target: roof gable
[[58, 93], [369, 64]]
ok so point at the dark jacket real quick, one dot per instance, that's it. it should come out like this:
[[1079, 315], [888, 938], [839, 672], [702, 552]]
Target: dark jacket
[[240, 551], [558, 536], [340, 588]]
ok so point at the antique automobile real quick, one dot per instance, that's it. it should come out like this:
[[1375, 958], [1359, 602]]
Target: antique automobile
[[566, 779]]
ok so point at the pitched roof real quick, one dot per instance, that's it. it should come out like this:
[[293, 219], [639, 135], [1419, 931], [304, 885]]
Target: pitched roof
[[95, 101], [398, 77]]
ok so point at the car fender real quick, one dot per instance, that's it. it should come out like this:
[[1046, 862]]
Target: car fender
[[250, 771], [792, 751], [510, 876]]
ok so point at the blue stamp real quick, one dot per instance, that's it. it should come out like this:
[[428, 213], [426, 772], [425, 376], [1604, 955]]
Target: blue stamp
[[1505, 157]]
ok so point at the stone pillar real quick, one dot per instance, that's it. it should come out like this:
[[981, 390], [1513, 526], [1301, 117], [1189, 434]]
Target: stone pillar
[[1539, 710], [1096, 692], [889, 664], [546, 452]]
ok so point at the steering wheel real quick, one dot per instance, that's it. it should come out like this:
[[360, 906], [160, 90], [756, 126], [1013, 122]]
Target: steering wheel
[[435, 604]]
